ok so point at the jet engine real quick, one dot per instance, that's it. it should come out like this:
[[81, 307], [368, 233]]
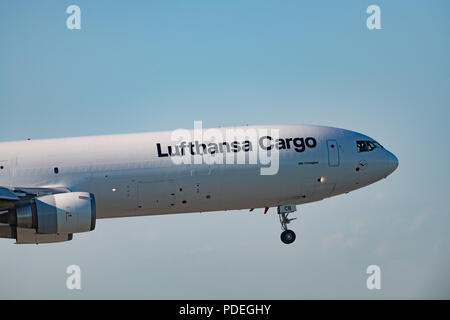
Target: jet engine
[[51, 218]]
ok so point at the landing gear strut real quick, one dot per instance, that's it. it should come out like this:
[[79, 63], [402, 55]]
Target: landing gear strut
[[287, 236]]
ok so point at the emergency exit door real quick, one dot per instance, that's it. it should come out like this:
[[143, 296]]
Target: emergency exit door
[[333, 153]]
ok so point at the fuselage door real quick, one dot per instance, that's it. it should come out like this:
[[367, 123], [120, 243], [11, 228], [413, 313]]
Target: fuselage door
[[333, 153]]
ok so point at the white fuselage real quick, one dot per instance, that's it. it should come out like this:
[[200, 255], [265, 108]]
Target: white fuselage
[[129, 178]]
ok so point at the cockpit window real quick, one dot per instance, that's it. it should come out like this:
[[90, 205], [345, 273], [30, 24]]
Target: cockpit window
[[378, 145], [366, 145], [362, 146]]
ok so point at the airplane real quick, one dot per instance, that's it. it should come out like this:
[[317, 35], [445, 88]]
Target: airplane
[[51, 189]]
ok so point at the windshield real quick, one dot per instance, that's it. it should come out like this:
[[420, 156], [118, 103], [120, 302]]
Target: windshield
[[367, 145]]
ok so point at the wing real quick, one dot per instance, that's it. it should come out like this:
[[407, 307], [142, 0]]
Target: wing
[[7, 195], [11, 197]]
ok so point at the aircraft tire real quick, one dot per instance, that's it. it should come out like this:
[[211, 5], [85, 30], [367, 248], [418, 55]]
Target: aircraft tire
[[288, 236]]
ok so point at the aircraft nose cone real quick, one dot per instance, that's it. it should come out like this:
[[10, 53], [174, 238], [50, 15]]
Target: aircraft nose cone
[[392, 163]]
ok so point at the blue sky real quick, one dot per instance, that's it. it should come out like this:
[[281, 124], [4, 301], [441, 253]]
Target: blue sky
[[159, 65]]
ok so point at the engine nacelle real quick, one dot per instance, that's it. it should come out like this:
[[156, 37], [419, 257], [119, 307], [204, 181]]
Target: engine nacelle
[[62, 213]]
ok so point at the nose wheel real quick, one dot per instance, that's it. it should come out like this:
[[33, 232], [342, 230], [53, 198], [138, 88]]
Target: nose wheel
[[287, 236]]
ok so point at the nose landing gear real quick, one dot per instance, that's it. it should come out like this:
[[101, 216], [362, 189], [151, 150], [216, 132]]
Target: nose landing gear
[[287, 236]]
